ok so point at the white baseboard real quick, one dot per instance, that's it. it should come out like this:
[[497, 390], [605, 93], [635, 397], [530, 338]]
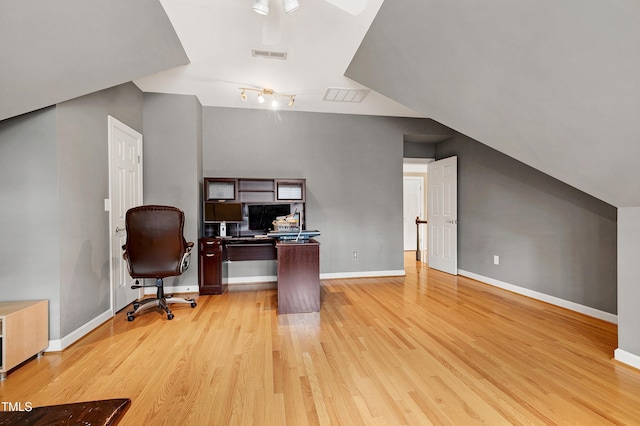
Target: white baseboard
[[253, 280], [269, 281], [627, 358], [60, 344], [592, 312], [362, 274], [151, 291]]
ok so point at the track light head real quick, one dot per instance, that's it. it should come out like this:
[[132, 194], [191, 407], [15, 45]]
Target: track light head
[[290, 5], [260, 98], [274, 102], [243, 95], [261, 7], [292, 99]]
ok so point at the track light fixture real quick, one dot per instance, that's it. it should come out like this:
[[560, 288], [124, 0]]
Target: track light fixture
[[262, 6], [290, 5], [267, 92]]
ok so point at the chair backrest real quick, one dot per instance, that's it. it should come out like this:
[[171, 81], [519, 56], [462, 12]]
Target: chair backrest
[[155, 244]]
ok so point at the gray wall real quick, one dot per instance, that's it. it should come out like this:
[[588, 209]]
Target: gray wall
[[29, 216], [419, 150], [353, 168], [173, 164], [62, 50], [629, 279], [550, 237], [54, 181], [83, 168]]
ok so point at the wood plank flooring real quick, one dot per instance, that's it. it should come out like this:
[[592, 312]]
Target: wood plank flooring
[[423, 349]]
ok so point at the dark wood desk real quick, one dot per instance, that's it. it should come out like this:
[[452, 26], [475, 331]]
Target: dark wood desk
[[298, 268], [298, 277]]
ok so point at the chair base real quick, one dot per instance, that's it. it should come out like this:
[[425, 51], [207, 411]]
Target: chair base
[[160, 301]]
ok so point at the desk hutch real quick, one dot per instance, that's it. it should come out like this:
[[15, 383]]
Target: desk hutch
[[232, 200]]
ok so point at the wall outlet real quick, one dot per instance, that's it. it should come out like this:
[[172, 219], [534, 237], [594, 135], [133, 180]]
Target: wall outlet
[[496, 259], [355, 254]]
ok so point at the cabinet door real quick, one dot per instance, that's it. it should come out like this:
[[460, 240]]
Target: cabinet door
[[290, 190], [210, 277], [220, 189]]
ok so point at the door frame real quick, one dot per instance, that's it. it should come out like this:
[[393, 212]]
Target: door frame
[[112, 123], [419, 166], [422, 200]]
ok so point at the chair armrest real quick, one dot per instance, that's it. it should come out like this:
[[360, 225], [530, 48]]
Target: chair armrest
[[186, 258]]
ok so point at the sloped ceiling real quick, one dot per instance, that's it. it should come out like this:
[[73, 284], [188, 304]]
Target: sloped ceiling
[[53, 51], [553, 84]]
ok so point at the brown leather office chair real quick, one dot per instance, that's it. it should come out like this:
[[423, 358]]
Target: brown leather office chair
[[156, 248]]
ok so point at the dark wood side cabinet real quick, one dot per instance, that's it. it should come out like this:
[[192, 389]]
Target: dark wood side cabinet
[[210, 274], [298, 277]]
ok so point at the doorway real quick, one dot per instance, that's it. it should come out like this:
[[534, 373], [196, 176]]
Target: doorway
[[415, 205], [125, 192], [412, 208]]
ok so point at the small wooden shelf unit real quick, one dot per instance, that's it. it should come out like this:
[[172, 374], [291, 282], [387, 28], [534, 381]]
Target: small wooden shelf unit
[[24, 332]]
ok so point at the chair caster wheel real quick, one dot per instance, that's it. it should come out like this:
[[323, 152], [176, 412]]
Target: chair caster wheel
[[169, 316], [193, 304], [136, 305], [130, 317]]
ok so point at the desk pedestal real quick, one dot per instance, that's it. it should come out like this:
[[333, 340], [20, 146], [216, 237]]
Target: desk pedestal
[[298, 277]]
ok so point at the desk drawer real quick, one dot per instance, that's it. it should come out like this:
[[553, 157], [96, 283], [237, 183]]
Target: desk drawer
[[210, 266], [210, 245], [250, 252]]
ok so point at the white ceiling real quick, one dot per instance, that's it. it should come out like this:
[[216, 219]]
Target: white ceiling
[[320, 39]]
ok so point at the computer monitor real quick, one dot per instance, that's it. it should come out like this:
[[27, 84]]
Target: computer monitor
[[223, 212], [261, 216]]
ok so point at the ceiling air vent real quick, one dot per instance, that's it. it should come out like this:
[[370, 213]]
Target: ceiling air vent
[[272, 54], [336, 94]]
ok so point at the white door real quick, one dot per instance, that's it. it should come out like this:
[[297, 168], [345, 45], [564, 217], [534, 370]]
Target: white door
[[442, 218], [125, 191], [412, 207]]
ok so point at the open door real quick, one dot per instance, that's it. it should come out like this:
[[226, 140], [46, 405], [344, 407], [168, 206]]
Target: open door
[[442, 217], [125, 192]]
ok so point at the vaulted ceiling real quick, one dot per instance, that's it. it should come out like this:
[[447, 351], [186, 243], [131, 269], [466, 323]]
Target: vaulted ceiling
[[553, 84]]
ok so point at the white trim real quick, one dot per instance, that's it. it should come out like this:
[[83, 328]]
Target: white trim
[[362, 274], [592, 312], [325, 276], [250, 280], [415, 165], [626, 358], [151, 291], [61, 344]]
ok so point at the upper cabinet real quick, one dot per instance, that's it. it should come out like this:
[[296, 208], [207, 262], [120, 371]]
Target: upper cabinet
[[292, 190], [247, 204], [249, 191], [220, 189]]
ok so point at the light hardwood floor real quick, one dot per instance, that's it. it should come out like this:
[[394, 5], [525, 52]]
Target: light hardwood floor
[[423, 349]]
